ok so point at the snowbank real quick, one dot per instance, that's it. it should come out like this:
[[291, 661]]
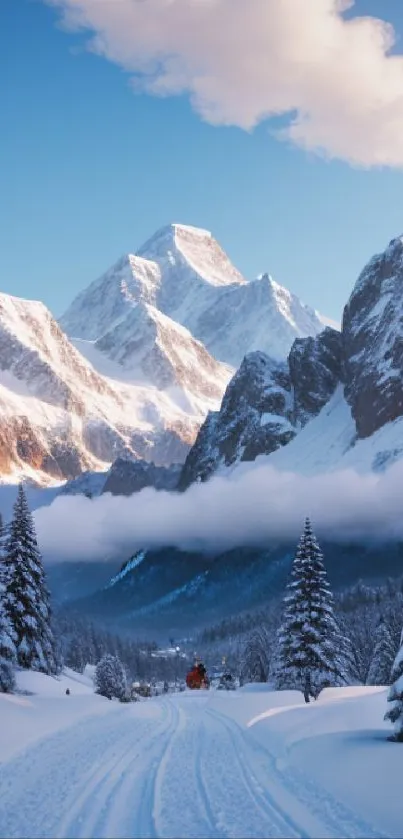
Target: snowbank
[[339, 743], [42, 708]]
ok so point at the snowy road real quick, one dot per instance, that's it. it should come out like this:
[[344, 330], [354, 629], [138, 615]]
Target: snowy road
[[178, 766]]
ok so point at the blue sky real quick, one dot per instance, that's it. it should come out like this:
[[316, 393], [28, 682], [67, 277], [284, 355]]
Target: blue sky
[[92, 170]]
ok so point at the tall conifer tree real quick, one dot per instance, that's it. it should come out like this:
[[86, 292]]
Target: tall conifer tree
[[26, 601], [310, 642]]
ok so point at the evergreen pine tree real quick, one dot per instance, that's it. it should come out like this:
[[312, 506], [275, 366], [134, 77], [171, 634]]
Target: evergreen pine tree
[[395, 696], [380, 669], [110, 677], [309, 638], [26, 598]]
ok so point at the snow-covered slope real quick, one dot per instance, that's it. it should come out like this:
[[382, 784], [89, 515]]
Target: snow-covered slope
[[154, 350], [59, 416], [329, 442], [183, 272]]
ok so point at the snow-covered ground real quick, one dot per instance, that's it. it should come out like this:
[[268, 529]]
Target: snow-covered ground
[[253, 763]]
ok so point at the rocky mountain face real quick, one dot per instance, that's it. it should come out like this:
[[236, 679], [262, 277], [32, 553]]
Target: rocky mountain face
[[255, 418], [265, 405], [126, 477], [373, 342], [315, 369], [364, 361]]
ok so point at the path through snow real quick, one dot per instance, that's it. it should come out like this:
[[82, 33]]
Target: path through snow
[[176, 766]]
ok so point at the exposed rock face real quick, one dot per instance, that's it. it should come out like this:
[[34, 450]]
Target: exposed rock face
[[366, 358], [28, 447], [255, 418], [126, 477], [373, 342], [315, 366], [265, 405]]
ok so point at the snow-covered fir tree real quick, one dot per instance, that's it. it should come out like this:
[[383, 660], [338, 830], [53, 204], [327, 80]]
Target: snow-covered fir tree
[[26, 599], [380, 669], [110, 677], [309, 639], [395, 696]]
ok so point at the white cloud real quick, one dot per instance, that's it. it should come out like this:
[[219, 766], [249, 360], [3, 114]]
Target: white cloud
[[258, 506], [242, 61]]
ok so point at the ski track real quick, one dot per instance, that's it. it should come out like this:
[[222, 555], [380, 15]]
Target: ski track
[[58, 787], [245, 810], [172, 767], [319, 813]]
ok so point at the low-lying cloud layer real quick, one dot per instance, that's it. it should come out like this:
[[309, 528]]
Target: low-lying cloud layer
[[256, 507], [243, 61]]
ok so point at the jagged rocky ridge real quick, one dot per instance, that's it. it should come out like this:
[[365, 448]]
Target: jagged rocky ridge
[[373, 342], [266, 405]]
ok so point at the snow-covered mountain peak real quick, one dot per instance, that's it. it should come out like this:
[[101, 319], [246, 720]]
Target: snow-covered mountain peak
[[196, 247], [165, 238]]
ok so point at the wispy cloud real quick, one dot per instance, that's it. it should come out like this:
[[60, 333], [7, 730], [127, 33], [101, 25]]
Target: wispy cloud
[[243, 61], [255, 507]]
